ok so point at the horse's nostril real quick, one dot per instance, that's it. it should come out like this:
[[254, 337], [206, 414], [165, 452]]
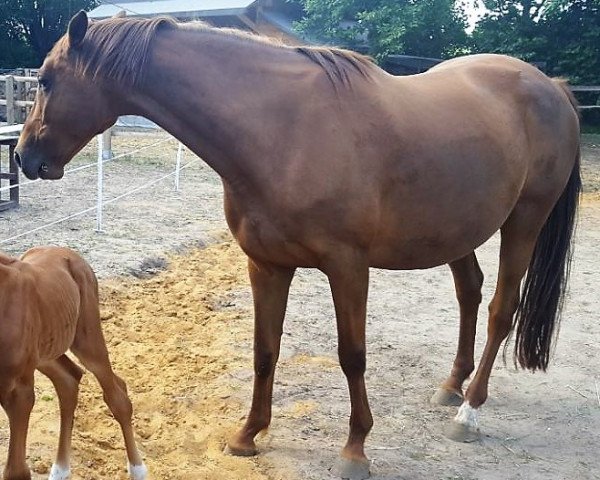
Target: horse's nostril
[[44, 168], [18, 159]]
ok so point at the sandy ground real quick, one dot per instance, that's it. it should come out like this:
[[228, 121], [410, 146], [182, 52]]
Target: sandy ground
[[182, 340]]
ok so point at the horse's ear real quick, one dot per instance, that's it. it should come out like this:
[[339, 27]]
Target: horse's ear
[[121, 14], [77, 28]]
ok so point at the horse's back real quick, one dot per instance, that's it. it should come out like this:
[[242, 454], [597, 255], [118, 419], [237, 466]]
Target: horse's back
[[541, 110], [474, 136]]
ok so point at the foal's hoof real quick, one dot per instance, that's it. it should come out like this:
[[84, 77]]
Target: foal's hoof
[[459, 432], [137, 472], [59, 473], [354, 469], [240, 450], [446, 398]]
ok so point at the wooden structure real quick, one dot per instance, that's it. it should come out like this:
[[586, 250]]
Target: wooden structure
[[17, 93], [268, 17], [12, 175], [588, 89], [408, 64]]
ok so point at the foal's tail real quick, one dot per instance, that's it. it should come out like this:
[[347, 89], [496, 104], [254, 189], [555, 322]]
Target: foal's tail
[[538, 313]]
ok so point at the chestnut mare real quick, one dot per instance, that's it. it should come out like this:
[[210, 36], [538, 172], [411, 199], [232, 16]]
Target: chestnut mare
[[49, 304], [329, 162]]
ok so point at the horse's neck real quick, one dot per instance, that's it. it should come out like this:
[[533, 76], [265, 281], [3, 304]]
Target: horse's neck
[[215, 93]]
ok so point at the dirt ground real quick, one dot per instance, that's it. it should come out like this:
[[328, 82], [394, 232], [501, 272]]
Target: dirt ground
[[182, 340]]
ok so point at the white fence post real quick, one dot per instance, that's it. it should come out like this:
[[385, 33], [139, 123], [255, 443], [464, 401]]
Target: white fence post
[[107, 144], [178, 165], [100, 184]]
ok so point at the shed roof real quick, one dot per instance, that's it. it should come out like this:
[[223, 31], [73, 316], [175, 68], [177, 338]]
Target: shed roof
[[176, 8]]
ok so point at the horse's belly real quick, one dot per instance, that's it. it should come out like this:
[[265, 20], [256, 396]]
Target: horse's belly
[[427, 250], [433, 229], [57, 336]]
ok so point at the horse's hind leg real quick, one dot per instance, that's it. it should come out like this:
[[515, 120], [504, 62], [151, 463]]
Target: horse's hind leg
[[270, 287], [89, 346], [468, 279], [17, 401], [65, 377], [519, 235]]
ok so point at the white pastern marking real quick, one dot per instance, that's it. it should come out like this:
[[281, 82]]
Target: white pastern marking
[[467, 415], [59, 473], [137, 472]]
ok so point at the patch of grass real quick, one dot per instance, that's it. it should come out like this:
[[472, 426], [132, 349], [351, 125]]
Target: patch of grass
[[590, 139], [590, 129]]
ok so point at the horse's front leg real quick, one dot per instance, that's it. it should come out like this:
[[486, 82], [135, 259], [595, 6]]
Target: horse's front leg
[[17, 401], [270, 287], [349, 280]]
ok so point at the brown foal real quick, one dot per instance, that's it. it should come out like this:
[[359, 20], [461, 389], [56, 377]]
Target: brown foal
[[48, 305], [329, 162]]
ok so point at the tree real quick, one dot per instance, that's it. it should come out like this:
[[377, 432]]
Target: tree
[[31, 27], [430, 28], [13, 49], [563, 35], [511, 27], [572, 30]]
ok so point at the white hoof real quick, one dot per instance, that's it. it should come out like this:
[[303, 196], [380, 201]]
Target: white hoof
[[137, 472], [464, 427], [59, 473], [467, 415]]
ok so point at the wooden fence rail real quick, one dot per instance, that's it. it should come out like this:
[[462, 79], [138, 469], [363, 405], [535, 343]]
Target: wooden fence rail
[[587, 89], [17, 91]]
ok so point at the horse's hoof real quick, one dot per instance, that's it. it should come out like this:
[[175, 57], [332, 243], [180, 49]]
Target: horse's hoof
[[137, 472], [354, 469], [59, 473], [446, 398], [460, 432], [241, 450]]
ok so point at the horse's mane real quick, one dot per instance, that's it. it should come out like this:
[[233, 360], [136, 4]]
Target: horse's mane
[[117, 48]]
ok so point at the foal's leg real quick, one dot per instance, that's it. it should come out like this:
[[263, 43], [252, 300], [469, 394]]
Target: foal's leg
[[468, 279], [519, 235], [17, 401], [89, 346], [349, 281], [270, 287], [65, 377]]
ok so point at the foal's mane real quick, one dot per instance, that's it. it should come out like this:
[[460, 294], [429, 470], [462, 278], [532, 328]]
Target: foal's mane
[[118, 48]]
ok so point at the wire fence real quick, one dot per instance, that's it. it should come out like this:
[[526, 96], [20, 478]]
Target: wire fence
[[101, 201]]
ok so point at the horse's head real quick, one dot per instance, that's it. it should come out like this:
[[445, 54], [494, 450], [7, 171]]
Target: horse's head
[[69, 109]]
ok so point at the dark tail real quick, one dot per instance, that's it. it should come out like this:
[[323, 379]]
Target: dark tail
[[538, 315]]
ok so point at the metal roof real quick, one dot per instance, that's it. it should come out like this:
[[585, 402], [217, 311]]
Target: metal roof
[[177, 8]]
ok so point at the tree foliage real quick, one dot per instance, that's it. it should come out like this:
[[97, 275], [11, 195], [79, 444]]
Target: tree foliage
[[29, 28], [562, 35], [429, 28], [573, 48]]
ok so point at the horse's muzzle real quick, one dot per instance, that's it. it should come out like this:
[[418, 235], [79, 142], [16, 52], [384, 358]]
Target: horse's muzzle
[[33, 167]]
